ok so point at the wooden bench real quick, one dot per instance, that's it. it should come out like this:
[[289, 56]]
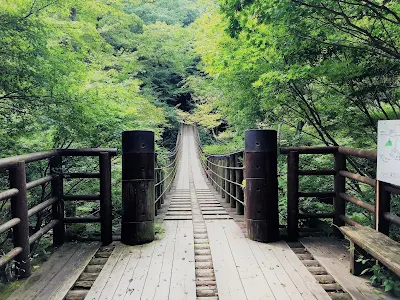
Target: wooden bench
[[367, 242]]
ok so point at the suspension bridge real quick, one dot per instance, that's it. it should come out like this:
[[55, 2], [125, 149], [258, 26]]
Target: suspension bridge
[[222, 236]]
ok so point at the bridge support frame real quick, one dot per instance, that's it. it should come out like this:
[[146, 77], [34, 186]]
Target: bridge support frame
[[138, 162], [261, 193]]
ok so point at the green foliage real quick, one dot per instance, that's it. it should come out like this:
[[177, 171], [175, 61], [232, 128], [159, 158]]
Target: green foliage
[[159, 230], [172, 12], [323, 72], [382, 277], [75, 74]]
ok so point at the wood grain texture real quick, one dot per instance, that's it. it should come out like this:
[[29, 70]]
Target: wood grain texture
[[333, 256], [380, 246], [58, 274]]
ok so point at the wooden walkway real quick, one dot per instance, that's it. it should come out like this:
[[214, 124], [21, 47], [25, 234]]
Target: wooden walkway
[[57, 276], [203, 254]]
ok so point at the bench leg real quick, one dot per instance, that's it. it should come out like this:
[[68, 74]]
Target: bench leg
[[355, 253]]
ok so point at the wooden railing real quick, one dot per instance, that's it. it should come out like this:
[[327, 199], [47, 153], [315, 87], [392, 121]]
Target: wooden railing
[[20, 214], [225, 172], [338, 197]]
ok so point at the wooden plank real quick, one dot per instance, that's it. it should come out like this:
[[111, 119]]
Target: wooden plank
[[179, 213], [215, 212], [279, 282], [134, 255], [280, 271], [170, 209], [357, 287], [183, 284], [41, 277], [227, 276], [116, 275], [71, 272], [383, 248], [184, 224], [301, 277], [105, 274], [132, 283], [159, 276], [175, 218], [249, 271], [217, 217]]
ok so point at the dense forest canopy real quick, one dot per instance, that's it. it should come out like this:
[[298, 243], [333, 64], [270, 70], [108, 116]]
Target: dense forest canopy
[[78, 73]]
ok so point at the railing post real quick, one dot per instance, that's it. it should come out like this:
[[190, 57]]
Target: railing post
[[156, 187], [19, 209], [137, 187], [57, 190], [221, 164], [232, 177], [159, 189], [211, 170], [162, 185], [223, 174], [339, 205], [262, 216], [227, 177], [105, 198], [239, 179], [293, 196], [207, 168], [382, 206], [216, 174]]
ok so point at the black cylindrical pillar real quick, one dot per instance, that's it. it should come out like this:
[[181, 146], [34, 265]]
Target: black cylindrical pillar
[[262, 216], [138, 161]]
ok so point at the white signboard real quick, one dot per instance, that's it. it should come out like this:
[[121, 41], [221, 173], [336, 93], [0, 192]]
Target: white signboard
[[388, 169]]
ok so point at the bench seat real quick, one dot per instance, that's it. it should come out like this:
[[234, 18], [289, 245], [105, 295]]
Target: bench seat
[[378, 245]]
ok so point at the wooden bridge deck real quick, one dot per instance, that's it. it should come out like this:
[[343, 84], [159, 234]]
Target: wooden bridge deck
[[205, 255]]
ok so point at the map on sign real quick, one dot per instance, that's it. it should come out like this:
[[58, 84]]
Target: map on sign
[[388, 169]]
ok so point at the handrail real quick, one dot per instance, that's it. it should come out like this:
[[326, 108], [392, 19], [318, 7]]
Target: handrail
[[221, 171], [17, 194], [310, 149], [226, 176], [6, 163], [87, 152], [383, 190], [164, 175]]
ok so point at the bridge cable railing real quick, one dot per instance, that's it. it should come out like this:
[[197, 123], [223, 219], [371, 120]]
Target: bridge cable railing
[[226, 174], [165, 175], [17, 194]]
